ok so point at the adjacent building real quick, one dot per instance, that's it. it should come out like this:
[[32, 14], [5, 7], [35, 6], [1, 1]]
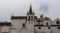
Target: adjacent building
[[5, 27]]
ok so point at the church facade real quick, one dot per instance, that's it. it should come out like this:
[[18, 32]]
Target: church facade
[[30, 24]]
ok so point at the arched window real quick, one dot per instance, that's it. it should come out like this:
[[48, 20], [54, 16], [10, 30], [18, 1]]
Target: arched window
[[29, 17]]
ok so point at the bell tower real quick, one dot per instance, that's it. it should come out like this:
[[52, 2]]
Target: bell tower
[[30, 14], [30, 20]]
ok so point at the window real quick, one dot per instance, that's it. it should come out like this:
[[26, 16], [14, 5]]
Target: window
[[57, 22], [49, 28], [30, 22], [58, 27], [29, 17], [39, 27], [23, 24]]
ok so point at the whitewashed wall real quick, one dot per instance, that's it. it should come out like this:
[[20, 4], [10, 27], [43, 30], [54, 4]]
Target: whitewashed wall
[[43, 29], [54, 21], [17, 24], [46, 30]]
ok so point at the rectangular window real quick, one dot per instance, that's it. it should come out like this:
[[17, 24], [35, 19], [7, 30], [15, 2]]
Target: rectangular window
[[23, 24], [49, 28], [58, 27], [57, 22]]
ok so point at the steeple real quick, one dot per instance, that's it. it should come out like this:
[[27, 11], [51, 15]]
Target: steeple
[[30, 11]]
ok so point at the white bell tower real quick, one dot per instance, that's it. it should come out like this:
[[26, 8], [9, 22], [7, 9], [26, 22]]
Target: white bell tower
[[30, 21]]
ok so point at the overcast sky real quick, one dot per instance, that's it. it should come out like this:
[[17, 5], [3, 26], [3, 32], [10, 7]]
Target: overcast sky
[[21, 7]]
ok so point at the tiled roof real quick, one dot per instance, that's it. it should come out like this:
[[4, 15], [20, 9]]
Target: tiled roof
[[5, 23], [18, 17]]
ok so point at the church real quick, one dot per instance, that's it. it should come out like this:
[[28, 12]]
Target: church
[[30, 24]]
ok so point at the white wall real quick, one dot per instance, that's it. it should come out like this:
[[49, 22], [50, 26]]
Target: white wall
[[30, 26], [43, 29], [17, 24], [46, 30], [54, 21]]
